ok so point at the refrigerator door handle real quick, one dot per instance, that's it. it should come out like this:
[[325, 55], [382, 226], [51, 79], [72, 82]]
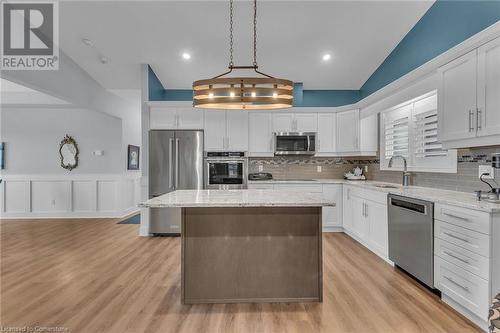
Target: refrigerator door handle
[[176, 163], [170, 173]]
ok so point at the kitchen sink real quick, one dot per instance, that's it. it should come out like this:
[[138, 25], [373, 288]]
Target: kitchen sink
[[386, 186]]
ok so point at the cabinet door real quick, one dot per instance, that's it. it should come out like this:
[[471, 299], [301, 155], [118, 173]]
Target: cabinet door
[[326, 133], [359, 221], [237, 130], [283, 122], [348, 131], [347, 209], [163, 118], [332, 216], [378, 234], [215, 129], [260, 134], [306, 122], [368, 134], [488, 112], [190, 118], [457, 98]]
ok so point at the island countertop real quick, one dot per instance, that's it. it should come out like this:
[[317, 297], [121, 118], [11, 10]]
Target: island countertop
[[238, 198]]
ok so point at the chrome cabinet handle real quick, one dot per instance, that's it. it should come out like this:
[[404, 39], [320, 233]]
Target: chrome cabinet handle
[[456, 257], [366, 209], [176, 163], [471, 126], [456, 216], [456, 237], [456, 283], [170, 174], [479, 119]]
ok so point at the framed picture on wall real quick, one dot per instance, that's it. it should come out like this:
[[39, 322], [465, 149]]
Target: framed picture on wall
[[2, 155], [133, 158]]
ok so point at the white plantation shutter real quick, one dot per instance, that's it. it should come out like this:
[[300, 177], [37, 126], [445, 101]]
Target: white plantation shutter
[[397, 133], [412, 131], [425, 135]]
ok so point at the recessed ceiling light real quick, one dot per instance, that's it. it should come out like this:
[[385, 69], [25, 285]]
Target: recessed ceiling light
[[327, 56], [186, 56]]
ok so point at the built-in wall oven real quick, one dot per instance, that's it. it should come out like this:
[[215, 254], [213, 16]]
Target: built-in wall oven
[[225, 170], [294, 143]]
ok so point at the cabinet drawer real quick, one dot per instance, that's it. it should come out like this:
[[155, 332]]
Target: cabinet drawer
[[465, 238], [463, 258], [300, 187], [463, 287], [463, 217], [260, 186], [375, 196]]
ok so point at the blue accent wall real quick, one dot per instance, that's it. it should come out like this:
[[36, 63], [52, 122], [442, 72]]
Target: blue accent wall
[[444, 25], [319, 98], [158, 93]]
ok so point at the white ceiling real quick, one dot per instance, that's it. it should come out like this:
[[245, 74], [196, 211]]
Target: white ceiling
[[292, 37]]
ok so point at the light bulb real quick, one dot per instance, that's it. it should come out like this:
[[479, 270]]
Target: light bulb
[[275, 95], [231, 94], [210, 95], [254, 94]]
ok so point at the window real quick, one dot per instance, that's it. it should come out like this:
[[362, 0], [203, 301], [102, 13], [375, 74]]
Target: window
[[411, 130]]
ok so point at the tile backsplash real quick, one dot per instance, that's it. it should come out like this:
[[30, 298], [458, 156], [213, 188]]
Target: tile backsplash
[[465, 180]]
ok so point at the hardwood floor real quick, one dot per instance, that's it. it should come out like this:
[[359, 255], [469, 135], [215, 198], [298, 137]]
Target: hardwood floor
[[93, 275]]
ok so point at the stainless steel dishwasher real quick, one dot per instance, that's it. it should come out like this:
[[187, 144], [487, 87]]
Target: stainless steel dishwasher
[[411, 236]]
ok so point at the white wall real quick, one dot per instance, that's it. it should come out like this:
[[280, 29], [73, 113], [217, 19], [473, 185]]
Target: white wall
[[32, 137], [36, 186]]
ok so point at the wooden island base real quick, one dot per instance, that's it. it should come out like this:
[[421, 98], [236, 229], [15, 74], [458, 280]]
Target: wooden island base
[[251, 254]]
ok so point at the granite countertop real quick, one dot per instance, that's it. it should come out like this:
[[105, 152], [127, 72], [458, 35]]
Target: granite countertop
[[237, 198], [455, 198]]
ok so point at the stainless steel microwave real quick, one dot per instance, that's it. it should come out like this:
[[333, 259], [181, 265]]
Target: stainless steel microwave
[[294, 143]]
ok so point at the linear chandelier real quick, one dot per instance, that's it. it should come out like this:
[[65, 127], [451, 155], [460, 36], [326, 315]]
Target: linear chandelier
[[236, 93]]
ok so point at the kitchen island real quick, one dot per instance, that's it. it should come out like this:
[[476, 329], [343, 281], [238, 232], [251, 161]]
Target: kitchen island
[[248, 246]]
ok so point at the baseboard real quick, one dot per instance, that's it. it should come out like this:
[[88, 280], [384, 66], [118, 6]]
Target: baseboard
[[332, 229], [482, 324]]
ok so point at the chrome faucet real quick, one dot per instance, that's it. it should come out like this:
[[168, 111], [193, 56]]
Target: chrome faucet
[[406, 174]]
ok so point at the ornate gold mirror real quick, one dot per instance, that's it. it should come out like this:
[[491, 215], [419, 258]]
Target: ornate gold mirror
[[68, 151]]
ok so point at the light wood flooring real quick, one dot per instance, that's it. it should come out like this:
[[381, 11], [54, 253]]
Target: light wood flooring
[[93, 275]]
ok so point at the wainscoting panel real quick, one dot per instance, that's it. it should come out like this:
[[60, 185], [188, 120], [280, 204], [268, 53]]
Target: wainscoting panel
[[52, 196], [84, 195], [16, 196], [106, 195]]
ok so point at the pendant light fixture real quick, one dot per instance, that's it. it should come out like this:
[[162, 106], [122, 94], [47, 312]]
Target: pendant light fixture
[[251, 93]]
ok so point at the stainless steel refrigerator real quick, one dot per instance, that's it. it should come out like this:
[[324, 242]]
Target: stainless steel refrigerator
[[175, 163]]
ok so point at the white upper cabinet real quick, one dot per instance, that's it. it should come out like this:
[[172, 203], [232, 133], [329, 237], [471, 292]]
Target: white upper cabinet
[[260, 139], [226, 130], [295, 122], [176, 118], [283, 122], [327, 127], [348, 131], [215, 130], [237, 130], [306, 122], [457, 98], [488, 92], [468, 98]]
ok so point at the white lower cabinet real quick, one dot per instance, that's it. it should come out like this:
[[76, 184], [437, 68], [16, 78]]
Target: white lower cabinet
[[365, 218], [464, 259], [332, 216]]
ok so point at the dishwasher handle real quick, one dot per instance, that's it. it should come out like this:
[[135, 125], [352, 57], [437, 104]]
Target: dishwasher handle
[[418, 208]]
